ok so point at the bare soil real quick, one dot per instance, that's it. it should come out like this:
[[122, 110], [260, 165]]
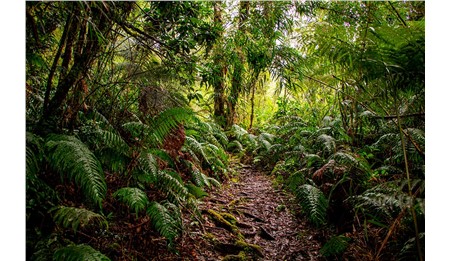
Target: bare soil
[[264, 217]]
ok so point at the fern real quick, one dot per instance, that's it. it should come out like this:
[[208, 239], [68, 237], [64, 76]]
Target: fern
[[113, 151], [352, 160], [214, 156], [33, 153], [137, 129], [196, 191], [312, 160], [166, 219], [296, 179], [134, 198], [235, 145], [167, 120], [409, 250], [170, 183], [77, 217], [291, 128], [199, 178], [148, 165], [335, 246], [207, 132], [79, 253], [111, 140], [328, 143], [69, 156], [386, 200], [313, 203]]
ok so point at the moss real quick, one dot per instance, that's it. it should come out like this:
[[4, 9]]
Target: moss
[[210, 237], [249, 247], [240, 257], [230, 218], [221, 221]]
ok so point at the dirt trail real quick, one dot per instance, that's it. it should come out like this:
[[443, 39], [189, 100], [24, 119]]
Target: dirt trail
[[264, 217]]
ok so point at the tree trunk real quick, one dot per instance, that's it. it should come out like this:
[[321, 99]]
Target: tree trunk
[[220, 71]]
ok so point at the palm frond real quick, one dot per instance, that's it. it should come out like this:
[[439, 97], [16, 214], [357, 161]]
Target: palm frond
[[313, 203], [78, 218], [166, 219], [72, 158], [134, 198], [79, 252]]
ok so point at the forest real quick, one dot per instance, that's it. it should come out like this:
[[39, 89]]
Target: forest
[[225, 130]]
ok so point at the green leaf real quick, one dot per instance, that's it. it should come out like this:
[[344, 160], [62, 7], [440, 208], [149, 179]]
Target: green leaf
[[72, 158], [314, 204], [77, 217], [134, 198], [79, 253]]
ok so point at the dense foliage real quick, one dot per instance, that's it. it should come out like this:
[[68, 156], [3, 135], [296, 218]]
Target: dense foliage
[[133, 110]]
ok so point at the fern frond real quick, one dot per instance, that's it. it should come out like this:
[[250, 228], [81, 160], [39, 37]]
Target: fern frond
[[99, 117], [348, 159], [328, 143], [237, 131], [381, 202], [134, 198], [172, 185], [313, 203], [335, 246], [69, 156], [291, 128], [79, 252], [168, 120], [409, 250], [33, 153], [213, 181], [149, 167], [235, 145], [111, 140], [199, 178], [196, 191], [78, 217], [296, 179], [195, 147], [32, 166], [313, 160], [165, 221], [137, 129]]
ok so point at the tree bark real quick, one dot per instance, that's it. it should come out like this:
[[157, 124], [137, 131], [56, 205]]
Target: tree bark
[[219, 71]]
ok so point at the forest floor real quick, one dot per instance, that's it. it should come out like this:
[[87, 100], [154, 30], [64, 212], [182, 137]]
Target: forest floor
[[249, 219]]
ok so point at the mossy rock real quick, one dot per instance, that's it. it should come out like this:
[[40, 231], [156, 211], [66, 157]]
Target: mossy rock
[[221, 221], [240, 257], [250, 248]]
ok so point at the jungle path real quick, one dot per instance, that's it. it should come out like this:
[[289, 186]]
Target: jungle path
[[249, 218]]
